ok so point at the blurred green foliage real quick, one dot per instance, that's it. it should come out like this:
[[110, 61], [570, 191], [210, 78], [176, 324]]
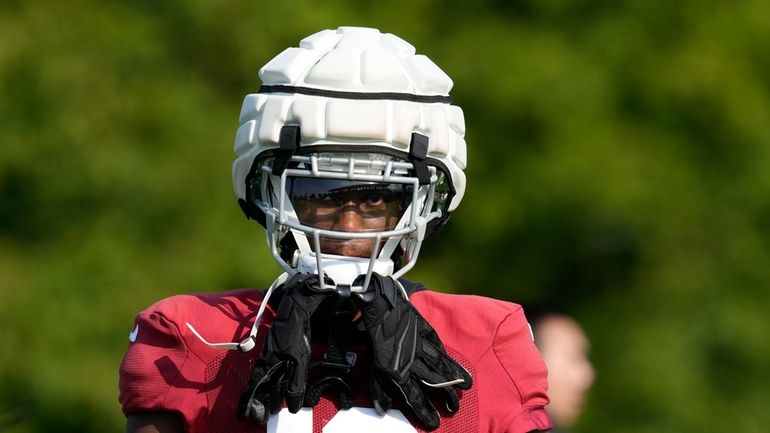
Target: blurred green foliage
[[618, 168]]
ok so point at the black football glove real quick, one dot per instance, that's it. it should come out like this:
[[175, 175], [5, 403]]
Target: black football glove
[[407, 351], [281, 370]]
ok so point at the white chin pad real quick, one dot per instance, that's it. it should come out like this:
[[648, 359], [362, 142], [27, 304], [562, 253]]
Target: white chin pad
[[341, 269]]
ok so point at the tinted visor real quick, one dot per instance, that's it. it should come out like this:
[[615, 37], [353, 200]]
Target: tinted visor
[[349, 206]]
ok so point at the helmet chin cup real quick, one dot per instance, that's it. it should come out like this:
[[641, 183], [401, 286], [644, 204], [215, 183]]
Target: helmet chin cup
[[343, 270]]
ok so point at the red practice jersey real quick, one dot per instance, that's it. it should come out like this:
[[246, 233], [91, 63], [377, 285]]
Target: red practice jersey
[[167, 368]]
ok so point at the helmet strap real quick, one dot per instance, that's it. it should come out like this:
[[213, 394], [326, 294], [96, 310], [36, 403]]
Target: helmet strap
[[288, 143], [418, 153]]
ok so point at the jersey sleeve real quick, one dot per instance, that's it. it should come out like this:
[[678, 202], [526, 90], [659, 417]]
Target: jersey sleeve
[[514, 348], [154, 371]]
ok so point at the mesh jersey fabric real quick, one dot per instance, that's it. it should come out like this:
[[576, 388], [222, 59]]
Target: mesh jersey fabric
[[166, 368]]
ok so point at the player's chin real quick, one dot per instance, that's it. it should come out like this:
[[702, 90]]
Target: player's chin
[[348, 247]]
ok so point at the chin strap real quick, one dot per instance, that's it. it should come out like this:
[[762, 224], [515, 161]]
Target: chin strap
[[249, 342]]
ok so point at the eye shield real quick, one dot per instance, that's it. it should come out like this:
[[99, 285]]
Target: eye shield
[[319, 203]]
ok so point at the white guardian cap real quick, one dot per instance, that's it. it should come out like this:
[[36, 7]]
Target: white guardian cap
[[350, 113]]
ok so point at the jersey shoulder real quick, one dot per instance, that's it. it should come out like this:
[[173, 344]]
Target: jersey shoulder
[[167, 368], [465, 313], [230, 304], [493, 339], [215, 316]]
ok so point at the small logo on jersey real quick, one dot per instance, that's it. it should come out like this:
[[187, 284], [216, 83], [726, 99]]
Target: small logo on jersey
[[132, 336], [351, 357]]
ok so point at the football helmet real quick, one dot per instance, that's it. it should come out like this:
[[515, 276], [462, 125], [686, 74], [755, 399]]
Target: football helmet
[[351, 122]]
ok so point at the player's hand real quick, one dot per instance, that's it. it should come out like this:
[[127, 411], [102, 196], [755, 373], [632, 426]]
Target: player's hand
[[407, 351], [281, 370]]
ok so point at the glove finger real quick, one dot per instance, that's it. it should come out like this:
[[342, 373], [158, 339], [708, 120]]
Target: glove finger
[[382, 401], [376, 302], [297, 380], [294, 385], [451, 399], [276, 392], [258, 394], [251, 404], [434, 353], [453, 370], [428, 375], [254, 409], [448, 394], [421, 406], [456, 370], [312, 300], [301, 296], [465, 375], [294, 402], [446, 368]]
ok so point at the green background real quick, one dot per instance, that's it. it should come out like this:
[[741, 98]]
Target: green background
[[618, 168]]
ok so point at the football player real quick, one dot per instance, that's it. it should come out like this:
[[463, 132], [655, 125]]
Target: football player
[[349, 155]]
